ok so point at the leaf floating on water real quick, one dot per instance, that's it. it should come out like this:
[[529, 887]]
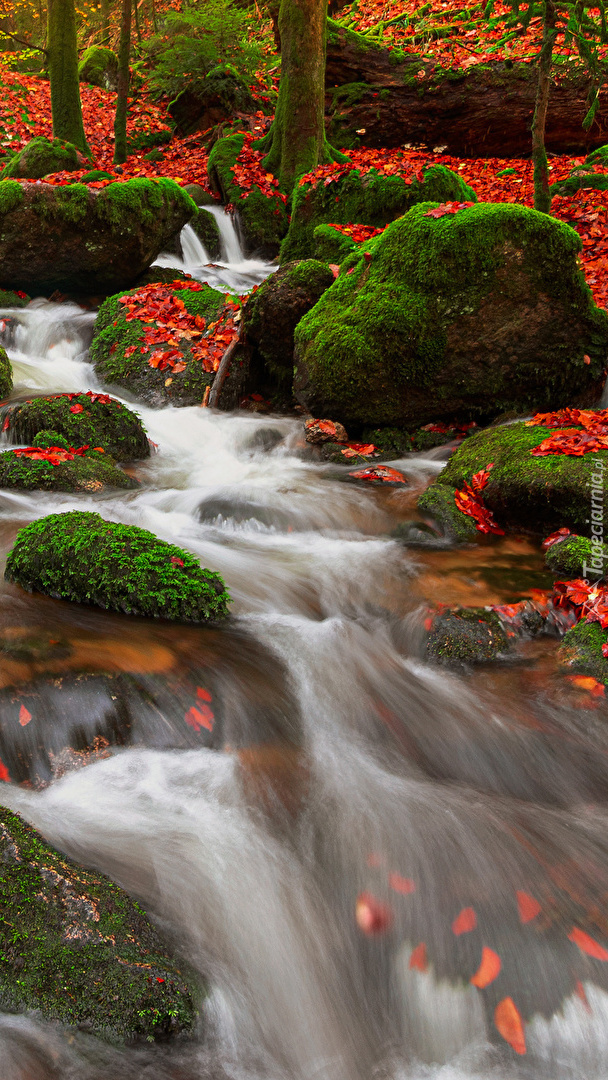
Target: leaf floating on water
[[465, 921], [4, 772], [509, 1024], [488, 970], [527, 906], [587, 682], [587, 944], [203, 694], [372, 915], [418, 959], [24, 716], [400, 884], [199, 717]]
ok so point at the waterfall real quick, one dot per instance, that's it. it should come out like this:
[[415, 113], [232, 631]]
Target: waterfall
[[233, 271]]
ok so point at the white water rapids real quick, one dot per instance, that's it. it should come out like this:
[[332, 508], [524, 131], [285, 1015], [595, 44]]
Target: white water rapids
[[259, 897]]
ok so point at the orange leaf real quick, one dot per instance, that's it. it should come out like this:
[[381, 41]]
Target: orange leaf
[[372, 915], [580, 992], [418, 959], [587, 944], [400, 884], [4, 772], [465, 921], [24, 716], [198, 718], [587, 682], [509, 1024], [204, 694], [488, 970], [528, 907]]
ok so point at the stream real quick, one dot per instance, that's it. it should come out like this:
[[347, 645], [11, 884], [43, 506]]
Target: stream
[[342, 764]]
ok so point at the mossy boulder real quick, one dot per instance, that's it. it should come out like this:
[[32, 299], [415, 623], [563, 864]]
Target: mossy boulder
[[274, 310], [43, 468], [466, 636], [370, 198], [525, 492], [263, 218], [161, 275], [572, 558], [201, 196], [117, 363], [216, 98], [97, 174], [598, 156], [77, 949], [580, 651], [133, 571], [437, 503], [99, 67], [332, 246], [81, 419], [451, 317], [6, 374], [9, 298], [572, 184], [208, 232], [42, 156], [86, 240]]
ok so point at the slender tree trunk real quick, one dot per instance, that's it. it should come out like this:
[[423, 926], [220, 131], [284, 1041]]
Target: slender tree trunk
[[136, 13], [105, 22], [124, 52], [542, 198], [154, 22], [296, 142], [63, 71]]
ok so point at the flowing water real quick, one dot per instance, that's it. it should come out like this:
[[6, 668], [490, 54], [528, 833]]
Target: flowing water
[[341, 764]]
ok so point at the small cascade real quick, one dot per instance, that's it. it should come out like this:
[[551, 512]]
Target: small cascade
[[234, 271], [232, 251]]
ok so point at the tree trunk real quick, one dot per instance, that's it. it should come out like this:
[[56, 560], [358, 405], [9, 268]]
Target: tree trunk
[[542, 198], [296, 142], [63, 71], [136, 14], [105, 22], [122, 92]]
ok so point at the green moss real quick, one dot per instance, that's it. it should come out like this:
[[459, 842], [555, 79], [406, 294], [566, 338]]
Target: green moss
[[147, 140], [148, 198], [6, 374], [572, 184], [208, 232], [70, 203], [263, 219], [366, 198], [8, 298], [348, 94], [581, 650], [96, 174], [438, 503], [330, 245], [374, 350], [99, 67], [133, 571], [42, 156], [51, 438], [466, 636], [91, 473], [76, 948], [568, 558], [108, 424], [11, 196], [598, 157]]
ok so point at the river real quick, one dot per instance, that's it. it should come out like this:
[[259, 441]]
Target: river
[[344, 765]]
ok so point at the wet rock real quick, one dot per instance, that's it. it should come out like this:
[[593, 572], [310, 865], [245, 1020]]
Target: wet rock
[[208, 232], [418, 534], [274, 310], [42, 156], [466, 636], [216, 98], [99, 67], [451, 317], [8, 298], [42, 468], [83, 240], [580, 652], [161, 275], [240, 510], [81, 419], [438, 503], [571, 557], [263, 220], [533, 494], [201, 195], [79, 950], [368, 199], [6, 374], [322, 431], [133, 571]]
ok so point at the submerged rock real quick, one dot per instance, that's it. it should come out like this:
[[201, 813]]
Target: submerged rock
[[42, 156], [79, 950], [56, 468], [132, 571], [81, 419], [448, 316], [99, 67], [84, 240], [466, 636]]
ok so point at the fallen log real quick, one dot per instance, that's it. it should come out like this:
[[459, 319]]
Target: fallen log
[[388, 98]]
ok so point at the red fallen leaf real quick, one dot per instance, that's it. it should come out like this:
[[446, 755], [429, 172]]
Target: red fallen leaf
[[488, 970], [379, 472], [372, 915], [159, 980], [555, 538], [6, 423], [586, 359], [76, 408], [356, 449], [527, 906], [335, 269], [203, 694], [587, 682], [447, 208], [257, 397], [200, 717], [24, 716], [400, 884], [587, 944], [418, 959], [470, 502], [605, 649], [176, 561], [579, 990], [4, 772], [509, 1024], [129, 351], [465, 921]]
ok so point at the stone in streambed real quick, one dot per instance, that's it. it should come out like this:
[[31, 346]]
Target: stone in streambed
[[76, 948], [43, 468], [451, 317], [81, 419], [572, 557], [6, 374], [580, 652], [466, 636], [84, 240], [133, 571]]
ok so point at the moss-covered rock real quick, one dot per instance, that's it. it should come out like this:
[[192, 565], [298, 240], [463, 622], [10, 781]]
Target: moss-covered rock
[[580, 651], [216, 98], [537, 494], [86, 240], [116, 351], [572, 184], [275, 309], [598, 156], [571, 557], [9, 298], [45, 439], [438, 503], [97, 174], [82, 419], [161, 275], [43, 468], [332, 246], [99, 67], [201, 196], [6, 374], [42, 156], [133, 571], [263, 219], [78, 949], [370, 198], [208, 232], [463, 315], [466, 636]]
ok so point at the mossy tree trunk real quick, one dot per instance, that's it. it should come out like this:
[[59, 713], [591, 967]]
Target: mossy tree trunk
[[63, 71], [542, 197], [105, 22], [296, 142], [124, 53]]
